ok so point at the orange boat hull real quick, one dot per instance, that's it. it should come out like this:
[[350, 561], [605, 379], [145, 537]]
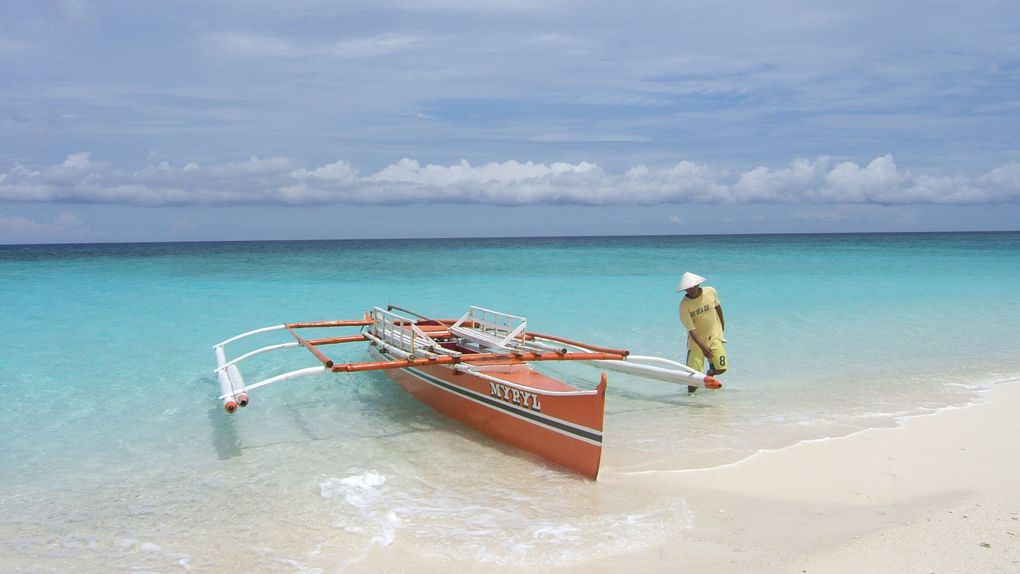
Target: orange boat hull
[[565, 430]]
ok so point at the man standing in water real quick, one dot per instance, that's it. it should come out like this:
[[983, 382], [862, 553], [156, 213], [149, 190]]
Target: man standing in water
[[701, 313]]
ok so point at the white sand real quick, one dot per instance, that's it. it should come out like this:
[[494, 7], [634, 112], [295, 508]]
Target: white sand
[[940, 493]]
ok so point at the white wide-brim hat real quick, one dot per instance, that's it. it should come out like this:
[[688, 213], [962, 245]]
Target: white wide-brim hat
[[689, 280]]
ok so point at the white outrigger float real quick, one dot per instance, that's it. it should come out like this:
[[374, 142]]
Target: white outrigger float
[[476, 370]]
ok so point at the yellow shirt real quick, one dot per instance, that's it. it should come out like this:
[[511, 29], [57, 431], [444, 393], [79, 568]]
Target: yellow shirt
[[700, 315]]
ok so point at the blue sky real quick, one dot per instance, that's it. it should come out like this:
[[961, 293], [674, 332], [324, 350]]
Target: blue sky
[[159, 121]]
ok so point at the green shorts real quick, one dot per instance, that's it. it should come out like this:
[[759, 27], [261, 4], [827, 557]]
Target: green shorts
[[696, 359]]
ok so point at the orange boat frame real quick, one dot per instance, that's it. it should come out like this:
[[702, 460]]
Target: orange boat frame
[[475, 370]]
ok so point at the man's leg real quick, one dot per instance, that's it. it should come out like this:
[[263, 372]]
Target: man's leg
[[719, 363], [696, 361]]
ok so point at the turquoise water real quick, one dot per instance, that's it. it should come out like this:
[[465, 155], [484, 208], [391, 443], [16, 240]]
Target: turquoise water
[[116, 455]]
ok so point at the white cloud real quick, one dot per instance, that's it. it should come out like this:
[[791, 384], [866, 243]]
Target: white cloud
[[339, 172], [1005, 179], [260, 46], [252, 46], [280, 181], [879, 182], [65, 226]]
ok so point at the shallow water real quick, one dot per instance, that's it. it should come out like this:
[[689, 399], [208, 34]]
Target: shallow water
[[116, 454]]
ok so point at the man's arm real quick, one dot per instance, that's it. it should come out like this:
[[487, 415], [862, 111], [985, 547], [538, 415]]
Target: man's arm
[[722, 322], [705, 349], [689, 325]]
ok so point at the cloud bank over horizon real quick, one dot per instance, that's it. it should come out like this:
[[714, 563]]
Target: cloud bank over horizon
[[564, 117], [281, 181]]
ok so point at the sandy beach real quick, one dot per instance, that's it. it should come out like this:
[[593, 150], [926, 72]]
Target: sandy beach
[[939, 493]]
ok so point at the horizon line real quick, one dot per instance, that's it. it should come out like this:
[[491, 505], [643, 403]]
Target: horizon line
[[513, 237]]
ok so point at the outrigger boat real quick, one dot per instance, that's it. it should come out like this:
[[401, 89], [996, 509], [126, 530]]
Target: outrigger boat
[[476, 370]]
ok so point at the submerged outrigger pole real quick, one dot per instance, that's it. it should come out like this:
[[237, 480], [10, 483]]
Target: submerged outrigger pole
[[231, 383]]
